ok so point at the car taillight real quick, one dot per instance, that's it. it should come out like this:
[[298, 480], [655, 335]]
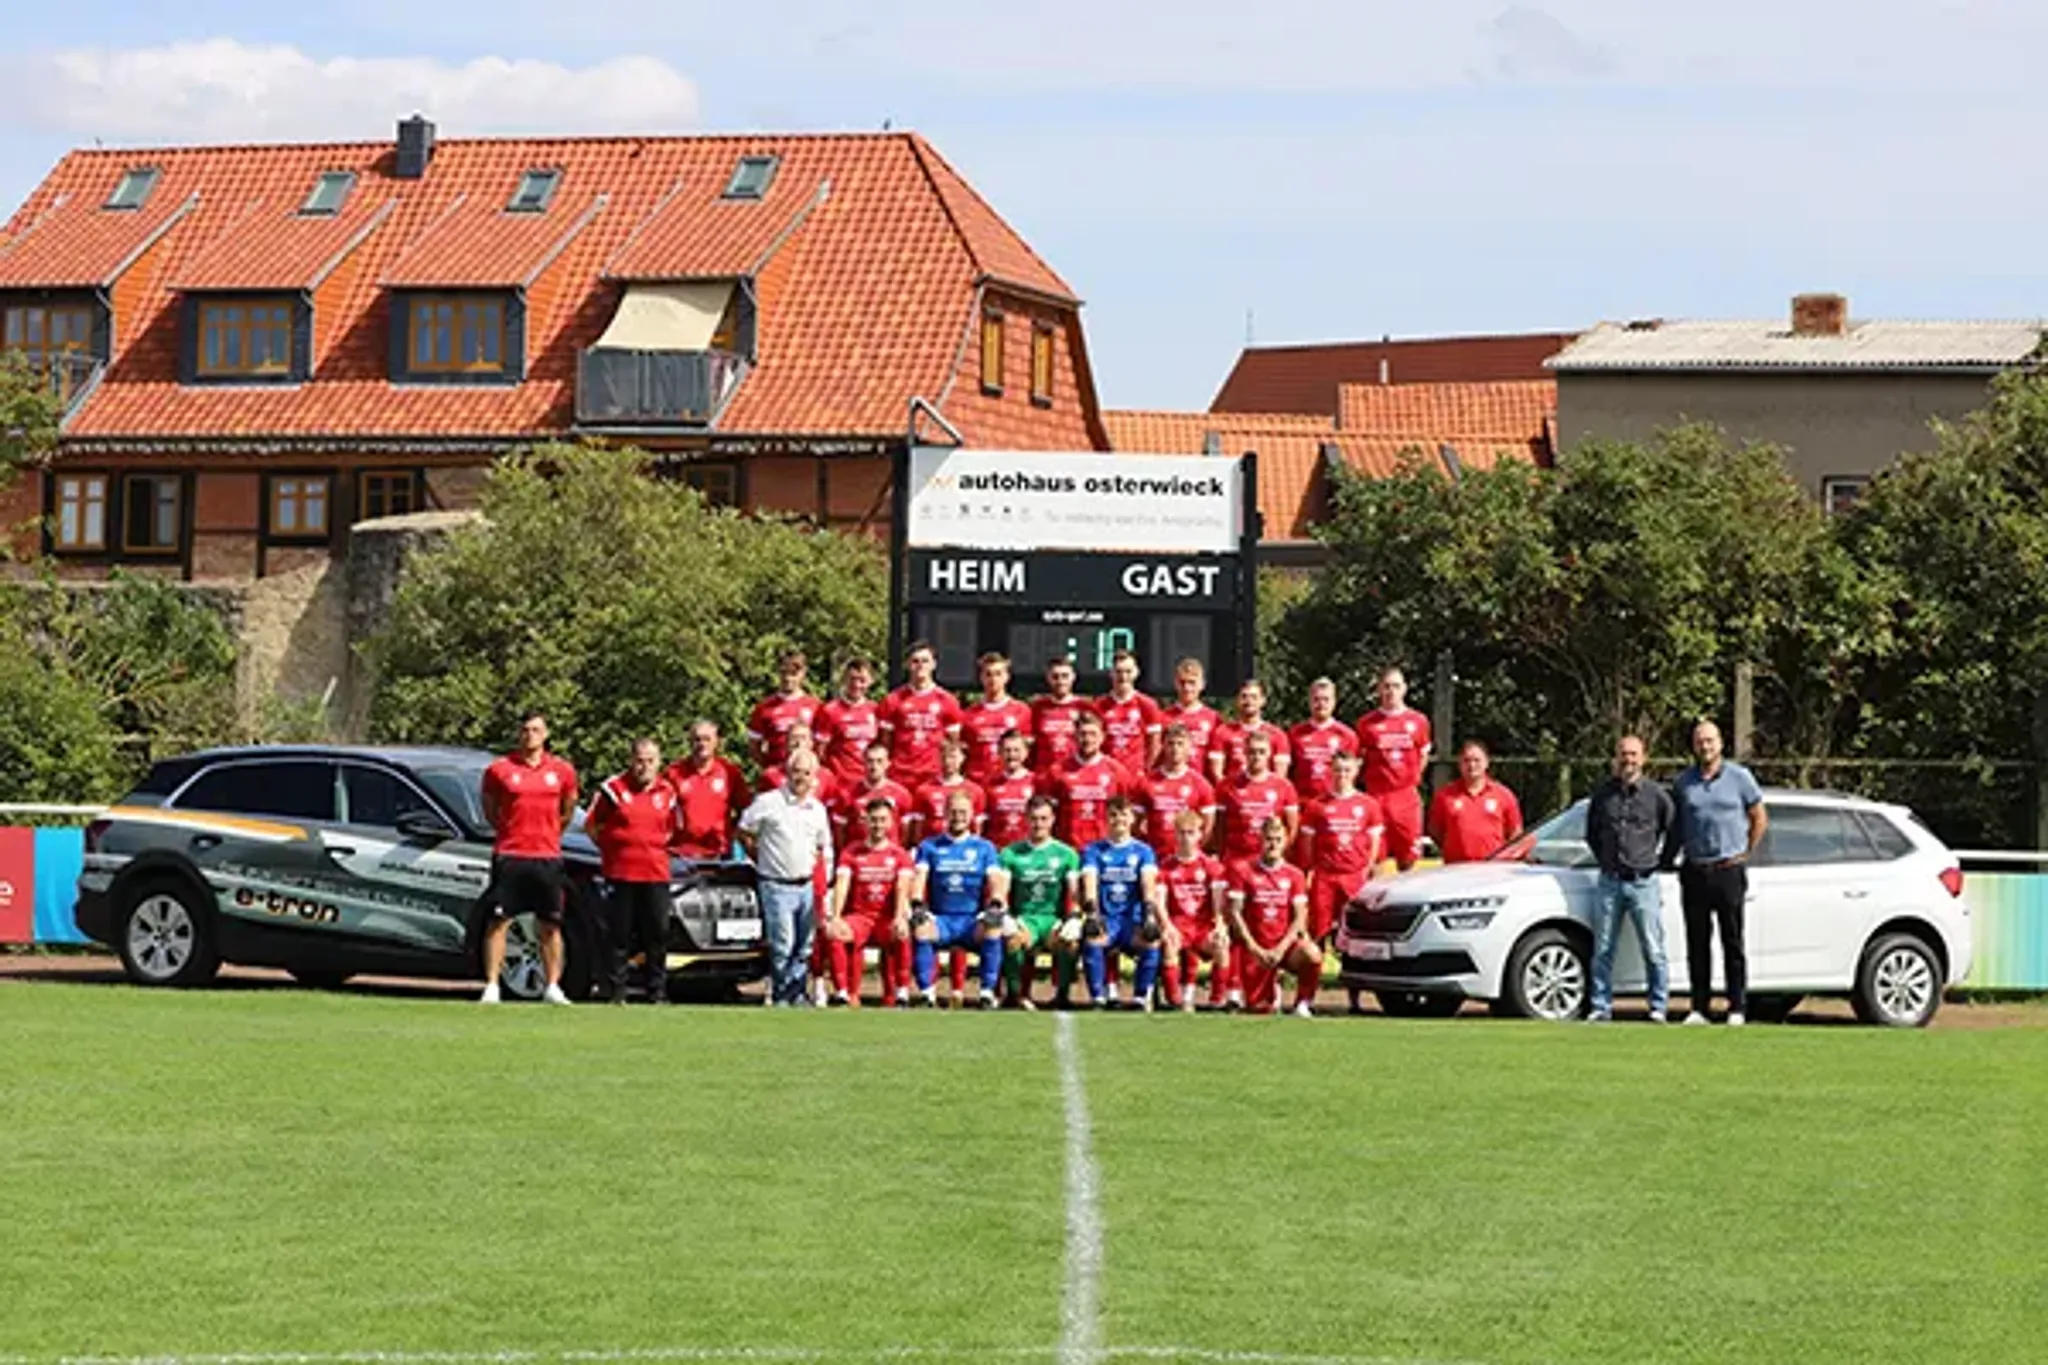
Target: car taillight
[[93, 833], [1952, 881]]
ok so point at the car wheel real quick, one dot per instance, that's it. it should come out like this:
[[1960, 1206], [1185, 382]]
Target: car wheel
[[1771, 1009], [1899, 983], [524, 975], [1547, 977], [316, 980], [166, 936], [1419, 1004]]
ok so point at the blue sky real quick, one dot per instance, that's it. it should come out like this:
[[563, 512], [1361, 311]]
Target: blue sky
[[1337, 170]]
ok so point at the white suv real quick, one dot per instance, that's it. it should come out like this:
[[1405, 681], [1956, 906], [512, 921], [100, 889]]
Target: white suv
[[1846, 897]]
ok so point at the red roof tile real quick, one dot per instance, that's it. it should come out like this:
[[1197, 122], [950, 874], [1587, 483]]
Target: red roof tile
[[1515, 408], [997, 250], [1289, 447], [70, 242], [1306, 378], [273, 247], [477, 244], [697, 233]]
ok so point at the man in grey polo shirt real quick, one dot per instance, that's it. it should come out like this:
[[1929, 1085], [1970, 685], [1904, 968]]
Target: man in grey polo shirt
[[788, 835], [1720, 822]]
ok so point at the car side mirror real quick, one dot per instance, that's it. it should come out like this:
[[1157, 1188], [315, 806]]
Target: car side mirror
[[424, 827]]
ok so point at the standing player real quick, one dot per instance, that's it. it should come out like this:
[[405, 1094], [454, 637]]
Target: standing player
[[631, 819], [1130, 719], [959, 880], [1194, 885], [1318, 740], [1341, 836], [984, 724], [916, 718], [1009, 795], [875, 785], [1247, 801], [871, 904], [711, 791], [775, 714], [1120, 895], [1226, 742], [1269, 926], [928, 812], [1056, 719], [1041, 876], [798, 739], [528, 797], [1172, 788], [848, 723], [1188, 709], [1394, 740], [1471, 818], [1088, 783]]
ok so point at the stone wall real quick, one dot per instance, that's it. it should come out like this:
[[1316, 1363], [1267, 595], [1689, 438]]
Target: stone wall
[[377, 554]]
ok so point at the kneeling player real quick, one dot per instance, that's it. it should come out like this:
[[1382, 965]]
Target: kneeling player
[[1040, 875], [1194, 887], [959, 880], [1120, 890], [870, 904], [1269, 926]]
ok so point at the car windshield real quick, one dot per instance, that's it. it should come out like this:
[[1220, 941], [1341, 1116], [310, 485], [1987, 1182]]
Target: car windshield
[[460, 787], [1559, 841]]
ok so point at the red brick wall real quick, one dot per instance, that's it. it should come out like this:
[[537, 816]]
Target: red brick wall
[[783, 483], [227, 502], [21, 510], [855, 490]]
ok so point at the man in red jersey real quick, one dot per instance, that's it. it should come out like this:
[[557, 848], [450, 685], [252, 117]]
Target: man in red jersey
[[1247, 801], [1318, 740], [1130, 719], [711, 791], [1009, 796], [1394, 740], [1194, 884], [1056, 719], [984, 724], [1269, 926], [1188, 709], [875, 783], [631, 818], [773, 716], [1226, 742], [1471, 818], [848, 723], [1340, 846], [1172, 788], [1090, 781], [871, 904], [928, 811], [528, 797], [916, 717]]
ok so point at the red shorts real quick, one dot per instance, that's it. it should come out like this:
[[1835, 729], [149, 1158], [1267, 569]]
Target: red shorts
[[1260, 983], [1194, 931], [1328, 894], [1403, 812]]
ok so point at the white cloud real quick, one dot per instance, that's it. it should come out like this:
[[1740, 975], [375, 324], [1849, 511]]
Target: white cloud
[[224, 90]]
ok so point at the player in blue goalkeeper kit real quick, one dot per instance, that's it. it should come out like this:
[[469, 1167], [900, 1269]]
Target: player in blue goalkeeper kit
[[959, 896], [1120, 890]]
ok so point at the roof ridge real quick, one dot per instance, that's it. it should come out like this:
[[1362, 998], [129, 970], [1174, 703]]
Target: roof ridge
[[927, 155], [494, 139]]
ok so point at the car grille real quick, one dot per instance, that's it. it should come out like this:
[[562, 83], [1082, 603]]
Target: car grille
[[1381, 921], [1420, 967], [698, 907]]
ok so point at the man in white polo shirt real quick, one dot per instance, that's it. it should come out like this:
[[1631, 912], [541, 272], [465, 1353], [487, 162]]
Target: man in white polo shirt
[[789, 836]]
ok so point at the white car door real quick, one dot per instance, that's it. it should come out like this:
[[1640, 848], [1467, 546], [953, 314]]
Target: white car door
[[1814, 884]]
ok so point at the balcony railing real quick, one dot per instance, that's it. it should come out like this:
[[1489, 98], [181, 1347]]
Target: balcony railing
[[654, 388]]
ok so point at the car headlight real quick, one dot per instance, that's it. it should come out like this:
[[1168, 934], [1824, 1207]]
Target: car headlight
[[1467, 913]]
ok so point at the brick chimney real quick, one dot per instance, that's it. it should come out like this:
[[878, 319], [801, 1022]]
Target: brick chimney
[[1820, 315]]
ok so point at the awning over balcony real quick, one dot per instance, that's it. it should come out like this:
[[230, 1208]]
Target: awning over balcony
[[668, 317]]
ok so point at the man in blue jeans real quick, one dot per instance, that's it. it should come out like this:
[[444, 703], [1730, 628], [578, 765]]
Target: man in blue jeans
[[787, 834], [1627, 823]]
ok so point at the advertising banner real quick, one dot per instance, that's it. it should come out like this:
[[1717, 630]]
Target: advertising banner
[[1027, 500]]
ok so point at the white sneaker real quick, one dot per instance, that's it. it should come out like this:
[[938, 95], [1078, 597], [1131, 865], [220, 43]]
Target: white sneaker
[[1187, 1004], [553, 996], [1735, 1019], [821, 993], [1027, 1004], [1600, 1017], [490, 995], [990, 1000], [903, 995], [1302, 1011], [840, 999], [1697, 1018], [1658, 1017], [1147, 1004], [1234, 1000], [930, 996]]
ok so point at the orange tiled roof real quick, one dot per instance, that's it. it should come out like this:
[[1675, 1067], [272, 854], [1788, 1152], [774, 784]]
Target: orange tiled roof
[[1289, 447], [1515, 407], [273, 246], [865, 300], [1307, 378]]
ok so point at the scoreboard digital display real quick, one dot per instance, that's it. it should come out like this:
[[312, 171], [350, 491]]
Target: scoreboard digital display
[[1089, 637]]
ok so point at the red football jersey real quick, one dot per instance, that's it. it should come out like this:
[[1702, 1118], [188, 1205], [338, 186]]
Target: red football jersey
[[712, 801], [1243, 805], [1315, 748], [1190, 887], [1164, 798], [1008, 817], [1270, 895], [1127, 727], [529, 801], [632, 827], [874, 873], [844, 731], [1229, 737], [1469, 827], [1345, 829], [772, 718], [1393, 746], [915, 723], [983, 726], [853, 799], [1085, 791], [1199, 720], [1053, 726], [928, 812]]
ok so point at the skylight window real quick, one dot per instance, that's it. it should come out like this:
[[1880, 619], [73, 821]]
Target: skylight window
[[136, 183], [536, 188], [751, 178], [330, 192]]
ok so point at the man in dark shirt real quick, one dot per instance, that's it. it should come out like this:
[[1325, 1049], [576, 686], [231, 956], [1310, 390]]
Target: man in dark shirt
[[1627, 823]]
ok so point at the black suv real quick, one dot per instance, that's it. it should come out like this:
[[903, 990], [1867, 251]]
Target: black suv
[[332, 862]]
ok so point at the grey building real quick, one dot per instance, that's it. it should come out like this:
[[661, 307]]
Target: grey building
[[1843, 397]]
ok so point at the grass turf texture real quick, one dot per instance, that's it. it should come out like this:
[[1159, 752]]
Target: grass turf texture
[[291, 1171]]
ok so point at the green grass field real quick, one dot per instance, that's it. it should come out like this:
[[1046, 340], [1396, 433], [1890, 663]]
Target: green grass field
[[271, 1171]]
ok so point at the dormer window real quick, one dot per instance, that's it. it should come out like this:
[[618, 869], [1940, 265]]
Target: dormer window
[[535, 189], [329, 193], [245, 338], [751, 178], [134, 187]]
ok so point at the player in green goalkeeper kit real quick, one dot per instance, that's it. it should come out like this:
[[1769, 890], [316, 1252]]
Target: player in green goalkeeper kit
[[1043, 874]]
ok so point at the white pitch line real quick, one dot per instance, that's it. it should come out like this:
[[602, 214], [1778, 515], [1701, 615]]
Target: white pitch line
[[1080, 1309]]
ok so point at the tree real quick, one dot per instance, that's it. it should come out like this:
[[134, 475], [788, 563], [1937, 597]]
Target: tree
[[29, 414], [619, 604]]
